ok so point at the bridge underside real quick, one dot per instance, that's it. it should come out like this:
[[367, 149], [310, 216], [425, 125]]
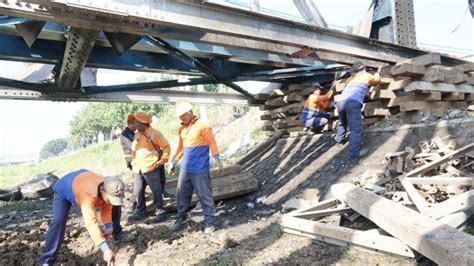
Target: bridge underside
[[175, 37]]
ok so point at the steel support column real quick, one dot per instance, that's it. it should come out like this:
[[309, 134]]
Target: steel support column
[[79, 45]]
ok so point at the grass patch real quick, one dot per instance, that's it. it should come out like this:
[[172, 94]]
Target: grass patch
[[105, 159]]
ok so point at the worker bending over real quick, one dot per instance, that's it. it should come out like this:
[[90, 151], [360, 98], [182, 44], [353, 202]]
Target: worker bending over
[[90, 191], [314, 117], [150, 151], [349, 108], [195, 141]]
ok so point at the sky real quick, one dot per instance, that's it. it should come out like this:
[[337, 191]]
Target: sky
[[25, 126]]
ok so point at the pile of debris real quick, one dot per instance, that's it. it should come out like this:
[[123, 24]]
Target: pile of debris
[[416, 204], [421, 85]]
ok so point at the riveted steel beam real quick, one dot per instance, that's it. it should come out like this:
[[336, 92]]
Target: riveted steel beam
[[227, 25], [78, 47]]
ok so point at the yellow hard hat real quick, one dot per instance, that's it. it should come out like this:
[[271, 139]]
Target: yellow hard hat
[[182, 107], [142, 117]]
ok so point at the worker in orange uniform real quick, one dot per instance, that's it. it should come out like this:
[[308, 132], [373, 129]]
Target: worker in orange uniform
[[91, 192], [195, 141], [150, 151], [313, 117], [349, 108]]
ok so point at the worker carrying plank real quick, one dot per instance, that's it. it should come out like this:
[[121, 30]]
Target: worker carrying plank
[[90, 191], [150, 152], [195, 141], [349, 108], [314, 117]]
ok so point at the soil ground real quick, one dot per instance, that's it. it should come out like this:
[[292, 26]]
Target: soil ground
[[245, 235]]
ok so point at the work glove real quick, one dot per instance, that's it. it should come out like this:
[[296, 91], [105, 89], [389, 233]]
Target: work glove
[[109, 256], [107, 229], [217, 164], [171, 167]]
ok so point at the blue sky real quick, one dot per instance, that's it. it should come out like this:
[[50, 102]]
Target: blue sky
[[26, 125]]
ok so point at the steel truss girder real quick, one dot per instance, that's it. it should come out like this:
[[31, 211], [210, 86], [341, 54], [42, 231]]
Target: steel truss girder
[[163, 96], [55, 31], [137, 17], [46, 52]]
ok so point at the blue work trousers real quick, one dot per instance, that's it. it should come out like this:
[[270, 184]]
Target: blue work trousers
[[57, 228], [317, 121], [350, 112], [187, 183], [153, 180]]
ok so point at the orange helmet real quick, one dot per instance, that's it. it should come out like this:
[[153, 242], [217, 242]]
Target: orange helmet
[[142, 117], [130, 118]]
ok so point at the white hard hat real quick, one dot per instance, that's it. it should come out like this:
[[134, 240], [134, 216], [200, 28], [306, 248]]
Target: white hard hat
[[182, 107]]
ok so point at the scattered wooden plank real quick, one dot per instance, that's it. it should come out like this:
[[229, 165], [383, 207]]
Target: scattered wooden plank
[[349, 235], [439, 242], [420, 203], [395, 154], [321, 213], [277, 102], [469, 80], [469, 97], [446, 158], [266, 117], [456, 220], [461, 202], [325, 204], [424, 60], [408, 70], [455, 181], [442, 87], [324, 239]]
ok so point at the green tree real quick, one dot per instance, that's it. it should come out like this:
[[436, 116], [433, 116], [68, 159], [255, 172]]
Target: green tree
[[102, 117], [53, 148]]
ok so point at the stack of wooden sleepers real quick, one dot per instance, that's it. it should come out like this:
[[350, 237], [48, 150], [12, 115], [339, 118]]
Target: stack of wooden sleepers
[[420, 203], [422, 84]]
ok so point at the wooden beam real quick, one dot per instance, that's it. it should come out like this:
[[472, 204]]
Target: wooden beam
[[456, 220], [434, 74], [408, 70], [465, 68], [456, 78], [453, 96], [414, 98], [424, 60], [442, 87], [399, 84], [454, 181], [325, 204], [422, 105], [228, 170], [420, 203], [439, 242], [321, 213], [461, 202], [366, 239]]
